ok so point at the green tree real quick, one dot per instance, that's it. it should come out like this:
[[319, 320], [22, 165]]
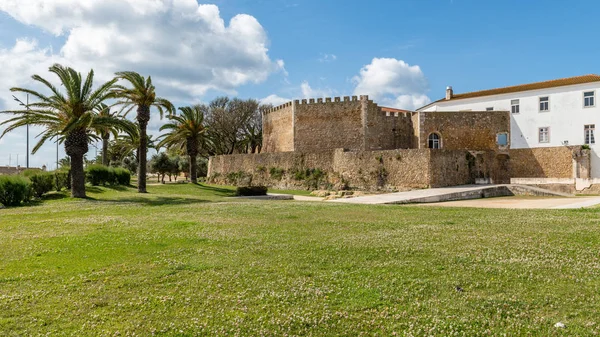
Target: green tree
[[141, 95], [65, 163], [161, 164], [128, 144], [69, 115], [186, 132], [234, 125], [104, 132]]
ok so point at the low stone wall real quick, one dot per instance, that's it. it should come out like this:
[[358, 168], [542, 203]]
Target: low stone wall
[[364, 170], [386, 169], [543, 162], [563, 185]]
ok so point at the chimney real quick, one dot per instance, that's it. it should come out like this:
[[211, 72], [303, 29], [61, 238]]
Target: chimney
[[449, 93]]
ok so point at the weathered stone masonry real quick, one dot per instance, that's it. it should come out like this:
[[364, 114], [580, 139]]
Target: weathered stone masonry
[[366, 170], [352, 142], [319, 125]]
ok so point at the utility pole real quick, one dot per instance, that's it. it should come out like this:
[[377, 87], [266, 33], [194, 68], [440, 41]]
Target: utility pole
[[27, 133], [57, 152], [26, 107]]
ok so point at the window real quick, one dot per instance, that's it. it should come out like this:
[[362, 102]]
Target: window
[[514, 106], [589, 99], [434, 141], [544, 104], [489, 109], [589, 131], [544, 135], [502, 139]]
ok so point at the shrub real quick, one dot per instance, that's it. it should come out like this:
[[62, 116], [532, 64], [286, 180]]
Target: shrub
[[98, 175], [30, 172], [42, 183], [239, 178], [103, 175], [61, 180], [14, 190], [314, 178], [122, 176], [251, 190], [276, 173]]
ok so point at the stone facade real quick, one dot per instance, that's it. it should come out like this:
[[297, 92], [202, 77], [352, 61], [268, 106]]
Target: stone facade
[[364, 170], [278, 131], [350, 122], [550, 162], [353, 142], [459, 130]]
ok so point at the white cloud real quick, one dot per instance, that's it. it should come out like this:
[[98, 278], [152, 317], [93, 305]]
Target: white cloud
[[187, 48], [309, 92], [274, 100], [327, 58], [393, 82]]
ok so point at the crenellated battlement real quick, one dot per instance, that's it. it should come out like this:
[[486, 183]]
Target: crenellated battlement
[[326, 100]]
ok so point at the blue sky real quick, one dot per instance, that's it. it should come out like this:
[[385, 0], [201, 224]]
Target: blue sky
[[409, 51], [470, 45]]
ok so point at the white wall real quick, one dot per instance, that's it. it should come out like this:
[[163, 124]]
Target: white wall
[[566, 117]]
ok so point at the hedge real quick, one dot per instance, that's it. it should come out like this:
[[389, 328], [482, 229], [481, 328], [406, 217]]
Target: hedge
[[42, 183], [103, 175], [251, 191], [62, 179], [122, 176], [14, 190]]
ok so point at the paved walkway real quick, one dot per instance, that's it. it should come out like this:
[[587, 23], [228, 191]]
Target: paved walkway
[[523, 203], [430, 194], [451, 197]]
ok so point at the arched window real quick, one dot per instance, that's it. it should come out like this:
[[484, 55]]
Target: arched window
[[434, 141]]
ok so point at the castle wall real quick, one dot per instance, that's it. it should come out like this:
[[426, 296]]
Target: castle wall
[[278, 129], [464, 130], [386, 131], [542, 162], [365, 170], [391, 169], [324, 125]]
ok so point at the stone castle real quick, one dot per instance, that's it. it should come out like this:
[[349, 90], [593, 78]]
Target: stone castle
[[351, 142]]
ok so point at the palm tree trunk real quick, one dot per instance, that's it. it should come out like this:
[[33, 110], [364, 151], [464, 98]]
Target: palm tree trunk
[[76, 146], [193, 169], [77, 177], [143, 117], [192, 150], [105, 138]]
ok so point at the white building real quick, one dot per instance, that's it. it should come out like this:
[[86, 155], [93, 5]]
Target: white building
[[543, 114]]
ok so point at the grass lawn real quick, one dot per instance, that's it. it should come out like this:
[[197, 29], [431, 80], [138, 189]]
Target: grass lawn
[[185, 260]]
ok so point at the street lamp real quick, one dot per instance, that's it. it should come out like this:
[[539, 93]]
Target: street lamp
[[26, 107]]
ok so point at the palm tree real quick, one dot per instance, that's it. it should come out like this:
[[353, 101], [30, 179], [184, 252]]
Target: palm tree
[[129, 142], [69, 116], [142, 95], [186, 132], [103, 110]]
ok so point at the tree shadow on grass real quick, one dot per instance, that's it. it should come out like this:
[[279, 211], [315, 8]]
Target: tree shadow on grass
[[154, 201], [224, 192], [102, 189], [56, 196]]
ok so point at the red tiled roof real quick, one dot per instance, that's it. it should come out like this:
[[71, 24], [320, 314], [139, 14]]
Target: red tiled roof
[[386, 109], [526, 87]]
